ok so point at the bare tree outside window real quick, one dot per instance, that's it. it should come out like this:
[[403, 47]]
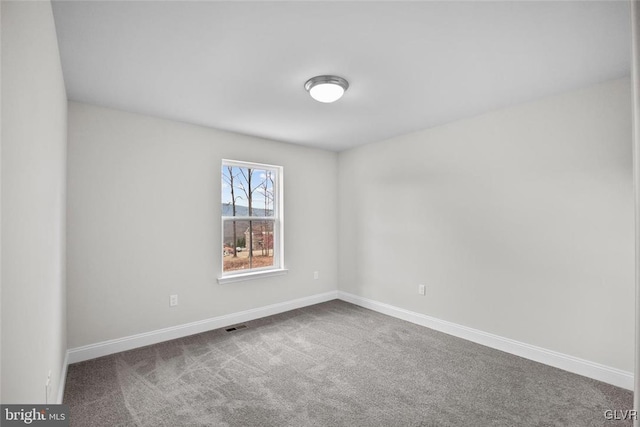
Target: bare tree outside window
[[228, 178], [249, 216]]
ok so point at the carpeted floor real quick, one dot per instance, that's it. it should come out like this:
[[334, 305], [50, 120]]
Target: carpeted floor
[[332, 364]]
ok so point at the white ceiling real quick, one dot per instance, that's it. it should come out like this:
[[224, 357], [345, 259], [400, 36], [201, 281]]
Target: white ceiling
[[241, 66]]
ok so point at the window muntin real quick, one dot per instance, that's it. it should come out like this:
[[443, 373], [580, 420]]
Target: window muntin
[[251, 217]]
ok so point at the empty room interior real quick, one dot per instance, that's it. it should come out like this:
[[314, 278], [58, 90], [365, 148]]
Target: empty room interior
[[319, 213]]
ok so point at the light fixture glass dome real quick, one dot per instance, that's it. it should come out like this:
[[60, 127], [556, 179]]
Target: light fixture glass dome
[[326, 88]]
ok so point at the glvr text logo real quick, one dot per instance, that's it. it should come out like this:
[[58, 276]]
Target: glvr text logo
[[627, 414]]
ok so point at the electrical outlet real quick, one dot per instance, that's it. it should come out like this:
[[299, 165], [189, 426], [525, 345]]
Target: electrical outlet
[[316, 275], [173, 300], [422, 289]]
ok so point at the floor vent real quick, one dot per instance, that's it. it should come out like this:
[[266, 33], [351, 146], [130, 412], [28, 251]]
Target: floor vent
[[236, 328]]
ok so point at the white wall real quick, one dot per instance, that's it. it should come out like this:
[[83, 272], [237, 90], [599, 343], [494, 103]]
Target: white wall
[[0, 207], [34, 114], [144, 223], [635, 78], [520, 222]]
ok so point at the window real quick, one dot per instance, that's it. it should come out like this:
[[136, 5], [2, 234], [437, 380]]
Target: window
[[251, 220]]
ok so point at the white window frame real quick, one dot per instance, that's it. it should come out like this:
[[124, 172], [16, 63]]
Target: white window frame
[[278, 228]]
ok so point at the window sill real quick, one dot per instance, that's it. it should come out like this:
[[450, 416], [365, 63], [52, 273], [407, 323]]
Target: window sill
[[249, 276]]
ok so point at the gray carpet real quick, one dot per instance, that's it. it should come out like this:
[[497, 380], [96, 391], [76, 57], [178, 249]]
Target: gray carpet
[[332, 364]]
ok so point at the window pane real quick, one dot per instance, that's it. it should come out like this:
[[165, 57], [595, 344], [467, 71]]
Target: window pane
[[247, 191], [262, 200], [257, 235]]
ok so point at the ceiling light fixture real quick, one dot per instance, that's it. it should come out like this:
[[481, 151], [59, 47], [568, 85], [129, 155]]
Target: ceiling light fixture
[[326, 88]]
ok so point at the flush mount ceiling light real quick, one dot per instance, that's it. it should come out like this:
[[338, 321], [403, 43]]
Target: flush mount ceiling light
[[326, 88]]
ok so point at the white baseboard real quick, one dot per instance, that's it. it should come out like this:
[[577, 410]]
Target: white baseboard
[[63, 378], [105, 348], [576, 365]]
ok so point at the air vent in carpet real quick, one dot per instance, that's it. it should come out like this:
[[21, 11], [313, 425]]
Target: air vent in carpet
[[236, 328]]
